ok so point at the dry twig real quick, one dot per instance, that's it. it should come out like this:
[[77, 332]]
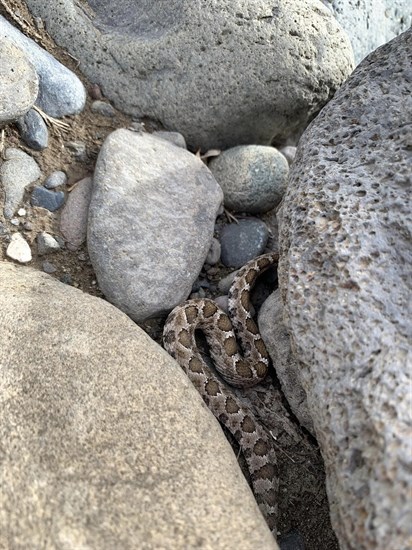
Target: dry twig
[[52, 122]]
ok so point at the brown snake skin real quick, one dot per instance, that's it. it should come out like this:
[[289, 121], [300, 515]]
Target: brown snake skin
[[234, 369]]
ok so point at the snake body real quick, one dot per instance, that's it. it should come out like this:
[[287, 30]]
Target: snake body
[[236, 368]]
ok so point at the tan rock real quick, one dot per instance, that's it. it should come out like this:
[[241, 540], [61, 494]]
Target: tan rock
[[104, 442]]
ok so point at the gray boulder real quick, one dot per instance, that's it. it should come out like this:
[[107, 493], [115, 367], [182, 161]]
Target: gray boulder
[[60, 91], [371, 23], [104, 441], [346, 234], [19, 84], [222, 73], [151, 222]]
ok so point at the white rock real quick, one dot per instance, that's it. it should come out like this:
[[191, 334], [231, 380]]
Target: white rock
[[46, 243], [19, 249]]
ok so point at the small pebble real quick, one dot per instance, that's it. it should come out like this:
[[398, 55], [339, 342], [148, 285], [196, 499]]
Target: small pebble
[[289, 153], [48, 267], [78, 148], [103, 108], [200, 283], [3, 230], [95, 92], [15, 221], [56, 179], [66, 278], [225, 283], [46, 243], [19, 249], [213, 256], [21, 212], [243, 241], [51, 200], [28, 226], [33, 130], [211, 271]]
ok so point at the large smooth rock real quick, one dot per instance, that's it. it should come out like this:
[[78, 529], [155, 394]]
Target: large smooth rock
[[19, 83], [60, 91], [222, 72], [346, 234], [371, 23], [104, 442], [150, 223]]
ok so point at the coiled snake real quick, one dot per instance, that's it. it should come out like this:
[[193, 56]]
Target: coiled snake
[[240, 371]]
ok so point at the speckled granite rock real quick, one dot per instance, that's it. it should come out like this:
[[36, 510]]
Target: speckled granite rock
[[346, 234]]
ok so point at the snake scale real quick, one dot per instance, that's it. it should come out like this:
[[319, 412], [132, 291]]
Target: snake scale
[[236, 368]]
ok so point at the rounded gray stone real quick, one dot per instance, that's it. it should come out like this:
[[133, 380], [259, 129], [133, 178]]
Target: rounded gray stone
[[253, 177], [103, 437], [243, 241], [344, 273], [56, 179], [151, 222], [19, 84], [33, 130], [51, 200], [73, 220], [17, 171], [289, 152], [222, 73], [46, 243], [213, 256], [60, 91], [103, 108]]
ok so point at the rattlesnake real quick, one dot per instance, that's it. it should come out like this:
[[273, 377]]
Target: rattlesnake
[[239, 371]]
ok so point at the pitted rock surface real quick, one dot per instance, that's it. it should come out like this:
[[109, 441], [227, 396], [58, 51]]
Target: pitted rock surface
[[146, 186], [105, 443], [345, 278], [223, 72]]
